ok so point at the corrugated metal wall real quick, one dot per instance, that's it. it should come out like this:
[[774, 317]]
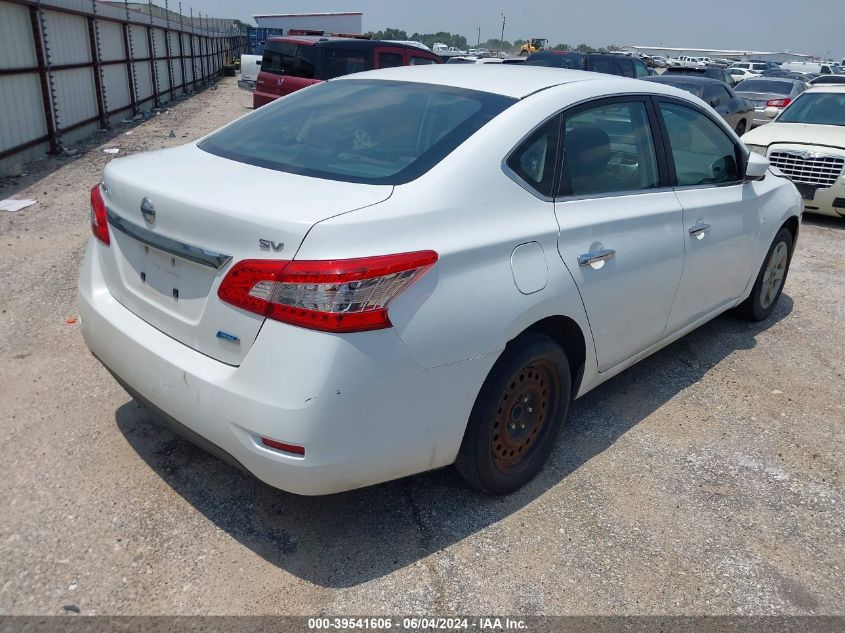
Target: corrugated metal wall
[[70, 67]]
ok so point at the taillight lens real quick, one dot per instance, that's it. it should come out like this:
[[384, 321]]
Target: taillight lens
[[338, 295], [99, 222], [778, 103]]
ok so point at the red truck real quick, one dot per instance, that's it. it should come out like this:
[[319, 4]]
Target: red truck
[[293, 62]]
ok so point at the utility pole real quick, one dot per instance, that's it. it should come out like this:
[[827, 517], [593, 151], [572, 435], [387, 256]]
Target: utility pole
[[502, 39], [478, 42]]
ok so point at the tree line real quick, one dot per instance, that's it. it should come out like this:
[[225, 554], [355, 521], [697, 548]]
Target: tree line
[[493, 44]]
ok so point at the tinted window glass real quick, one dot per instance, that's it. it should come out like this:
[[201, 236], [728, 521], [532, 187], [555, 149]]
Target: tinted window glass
[[556, 60], [378, 132], [610, 65], [702, 151], [693, 87], [534, 159], [642, 69], [292, 60], [767, 85], [338, 62], [421, 61], [609, 148], [820, 108], [390, 60]]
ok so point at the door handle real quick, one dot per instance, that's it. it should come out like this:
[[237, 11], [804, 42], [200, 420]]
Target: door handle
[[699, 229], [597, 256]]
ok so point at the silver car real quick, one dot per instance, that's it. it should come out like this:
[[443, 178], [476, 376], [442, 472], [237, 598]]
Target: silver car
[[769, 92]]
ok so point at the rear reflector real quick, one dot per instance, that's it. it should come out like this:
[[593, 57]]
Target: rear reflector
[[99, 223], [778, 103], [281, 446], [339, 295]]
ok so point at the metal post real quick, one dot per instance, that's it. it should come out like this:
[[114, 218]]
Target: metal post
[[36, 22], [153, 58], [182, 51], [193, 62], [502, 39], [167, 47], [129, 51]]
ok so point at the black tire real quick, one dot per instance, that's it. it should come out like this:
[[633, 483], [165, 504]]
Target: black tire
[[764, 297], [517, 416], [740, 128]]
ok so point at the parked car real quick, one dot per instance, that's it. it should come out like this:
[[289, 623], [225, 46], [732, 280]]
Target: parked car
[[472, 59], [741, 73], [711, 72], [769, 92], [660, 61], [786, 74], [388, 273], [609, 63], [250, 65], [755, 67], [736, 111], [817, 68], [807, 143], [294, 62], [514, 60]]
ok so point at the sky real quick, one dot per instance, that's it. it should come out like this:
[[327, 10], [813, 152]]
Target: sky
[[811, 26]]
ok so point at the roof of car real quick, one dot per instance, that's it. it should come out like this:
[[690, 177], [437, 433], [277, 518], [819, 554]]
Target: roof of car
[[516, 81], [826, 88], [671, 79], [343, 42]]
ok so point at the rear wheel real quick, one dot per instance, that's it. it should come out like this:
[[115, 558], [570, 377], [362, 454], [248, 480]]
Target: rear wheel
[[740, 128], [770, 280], [517, 416]]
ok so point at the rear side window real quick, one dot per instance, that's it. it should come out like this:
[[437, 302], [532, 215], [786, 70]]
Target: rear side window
[[554, 60], [293, 60], [416, 60], [702, 152], [390, 60], [609, 148], [610, 65], [641, 69], [534, 160], [357, 130], [338, 61]]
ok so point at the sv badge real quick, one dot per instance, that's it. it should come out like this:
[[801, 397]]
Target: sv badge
[[270, 245]]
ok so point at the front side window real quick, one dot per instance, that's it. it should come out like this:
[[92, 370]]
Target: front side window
[[608, 148], [357, 130], [702, 152], [534, 160]]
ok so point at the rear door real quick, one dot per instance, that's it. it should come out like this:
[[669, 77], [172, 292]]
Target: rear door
[[621, 232], [285, 68], [720, 215]]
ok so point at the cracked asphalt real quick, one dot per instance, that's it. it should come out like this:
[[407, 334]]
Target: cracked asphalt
[[705, 480]]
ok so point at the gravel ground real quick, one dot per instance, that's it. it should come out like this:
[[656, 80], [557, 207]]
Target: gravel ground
[[705, 480]]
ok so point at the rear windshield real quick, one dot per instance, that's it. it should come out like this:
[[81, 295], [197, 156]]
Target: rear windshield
[[763, 85], [692, 87], [358, 130], [293, 60]]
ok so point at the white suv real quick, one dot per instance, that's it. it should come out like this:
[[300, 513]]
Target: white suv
[[400, 270]]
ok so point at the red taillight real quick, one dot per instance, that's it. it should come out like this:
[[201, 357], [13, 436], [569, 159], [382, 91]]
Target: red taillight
[[99, 223], [778, 103], [339, 295], [281, 446]]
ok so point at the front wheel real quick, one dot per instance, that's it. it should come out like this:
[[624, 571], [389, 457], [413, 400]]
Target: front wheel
[[770, 280], [517, 416]]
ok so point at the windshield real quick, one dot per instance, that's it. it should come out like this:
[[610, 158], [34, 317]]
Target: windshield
[[368, 131], [763, 85], [820, 108]]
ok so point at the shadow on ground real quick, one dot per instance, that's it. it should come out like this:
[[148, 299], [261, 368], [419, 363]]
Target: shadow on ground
[[347, 539]]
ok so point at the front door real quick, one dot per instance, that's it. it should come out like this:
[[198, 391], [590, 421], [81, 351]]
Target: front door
[[720, 213], [621, 234]]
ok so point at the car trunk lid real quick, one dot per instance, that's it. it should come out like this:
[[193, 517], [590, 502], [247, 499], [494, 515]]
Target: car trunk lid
[[178, 218]]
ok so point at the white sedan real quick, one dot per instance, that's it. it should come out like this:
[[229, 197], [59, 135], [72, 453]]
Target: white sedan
[[410, 268], [807, 143]]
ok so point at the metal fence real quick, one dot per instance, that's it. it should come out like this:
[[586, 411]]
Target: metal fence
[[71, 67]]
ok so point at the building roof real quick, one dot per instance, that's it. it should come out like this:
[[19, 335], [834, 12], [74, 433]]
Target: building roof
[[305, 15], [716, 51]]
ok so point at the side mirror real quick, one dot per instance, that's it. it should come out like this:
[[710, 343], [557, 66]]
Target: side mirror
[[756, 167], [771, 112], [714, 102], [257, 62]]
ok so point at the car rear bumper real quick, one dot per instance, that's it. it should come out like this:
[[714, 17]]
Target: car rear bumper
[[364, 411], [246, 84]]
